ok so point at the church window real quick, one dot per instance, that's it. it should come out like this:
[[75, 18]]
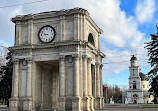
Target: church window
[[134, 85], [91, 39], [133, 73], [143, 86]]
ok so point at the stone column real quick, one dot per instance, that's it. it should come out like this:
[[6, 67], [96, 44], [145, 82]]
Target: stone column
[[62, 28], [29, 78], [15, 79], [18, 33], [97, 99], [76, 99], [85, 84], [61, 100], [85, 93], [76, 26], [27, 105], [76, 75], [101, 87], [15, 86], [98, 79], [89, 77], [30, 31], [89, 80]]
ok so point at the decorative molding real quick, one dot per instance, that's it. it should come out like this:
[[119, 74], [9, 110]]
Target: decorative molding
[[69, 59], [24, 62], [20, 52], [57, 13]]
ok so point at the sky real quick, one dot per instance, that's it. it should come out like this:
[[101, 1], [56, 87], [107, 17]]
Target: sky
[[126, 25]]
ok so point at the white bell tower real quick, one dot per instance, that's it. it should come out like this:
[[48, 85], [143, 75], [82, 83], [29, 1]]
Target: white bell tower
[[134, 94]]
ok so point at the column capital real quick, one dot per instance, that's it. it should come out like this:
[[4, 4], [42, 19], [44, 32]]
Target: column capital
[[98, 63], [16, 60], [29, 60], [76, 56], [84, 56], [89, 59], [62, 17], [101, 65], [62, 57]]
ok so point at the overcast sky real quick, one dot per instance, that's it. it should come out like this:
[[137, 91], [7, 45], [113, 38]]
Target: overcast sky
[[127, 24]]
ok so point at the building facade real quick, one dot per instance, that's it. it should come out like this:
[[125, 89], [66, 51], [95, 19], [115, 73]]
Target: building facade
[[138, 85], [57, 62]]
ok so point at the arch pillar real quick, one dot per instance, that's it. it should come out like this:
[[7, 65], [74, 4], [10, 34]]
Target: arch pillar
[[15, 87], [61, 99]]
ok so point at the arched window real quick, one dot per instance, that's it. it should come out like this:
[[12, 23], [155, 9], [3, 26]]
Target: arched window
[[90, 39]]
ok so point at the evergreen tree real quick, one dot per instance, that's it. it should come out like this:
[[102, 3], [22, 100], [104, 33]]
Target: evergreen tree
[[6, 79], [152, 47]]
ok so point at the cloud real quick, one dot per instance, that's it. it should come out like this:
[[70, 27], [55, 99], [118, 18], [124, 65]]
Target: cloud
[[7, 27], [119, 30], [145, 11]]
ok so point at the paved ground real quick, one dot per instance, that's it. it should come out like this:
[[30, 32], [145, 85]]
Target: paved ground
[[121, 107], [130, 107]]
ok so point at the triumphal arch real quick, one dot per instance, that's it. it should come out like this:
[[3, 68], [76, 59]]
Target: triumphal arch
[[57, 62]]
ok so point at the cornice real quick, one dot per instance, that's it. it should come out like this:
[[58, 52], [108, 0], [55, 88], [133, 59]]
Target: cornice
[[94, 24], [50, 14], [57, 45]]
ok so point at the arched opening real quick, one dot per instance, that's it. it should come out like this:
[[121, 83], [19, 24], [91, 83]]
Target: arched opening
[[90, 39]]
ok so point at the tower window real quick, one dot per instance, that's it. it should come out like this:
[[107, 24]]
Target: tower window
[[133, 73], [91, 39], [134, 85], [143, 86]]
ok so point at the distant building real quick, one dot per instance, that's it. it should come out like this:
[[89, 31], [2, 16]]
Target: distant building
[[138, 85]]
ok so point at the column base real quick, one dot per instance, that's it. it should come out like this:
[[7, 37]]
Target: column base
[[68, 104], [85, 104], [91, 101], [61, 104], [98, 103], [102, 102], [76, 104], [27, 104], [13, 104]]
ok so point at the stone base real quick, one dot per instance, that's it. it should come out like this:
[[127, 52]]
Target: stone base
[[27, 104], [76, 104], [61, 104], [85, 104], [13, 104], [98, 103], [102, 102], [20, 104], [91, 101], [68, 104]]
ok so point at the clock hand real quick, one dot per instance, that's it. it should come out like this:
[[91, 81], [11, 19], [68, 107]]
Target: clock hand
[[45, 34]]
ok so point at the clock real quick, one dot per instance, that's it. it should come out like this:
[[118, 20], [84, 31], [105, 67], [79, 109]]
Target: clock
[[46, 34]]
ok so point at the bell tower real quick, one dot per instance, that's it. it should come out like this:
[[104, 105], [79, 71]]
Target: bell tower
[[57, 62], [134, 92]]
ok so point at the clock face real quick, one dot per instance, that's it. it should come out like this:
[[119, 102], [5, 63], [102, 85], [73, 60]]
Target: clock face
[[46, 34]]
